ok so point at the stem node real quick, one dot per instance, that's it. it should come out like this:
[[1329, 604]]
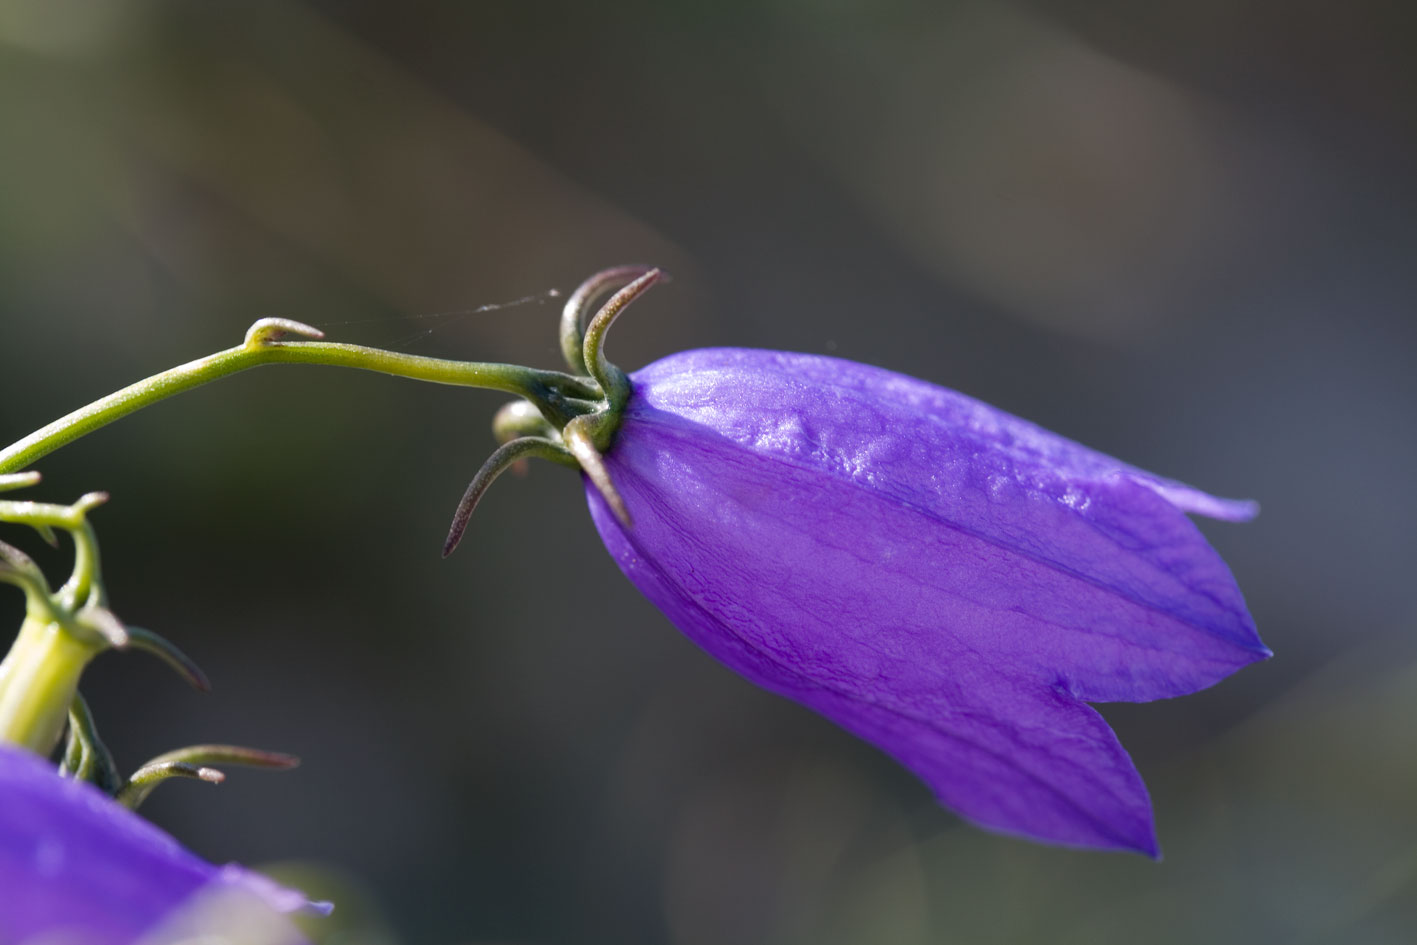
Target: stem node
[[269, 330]]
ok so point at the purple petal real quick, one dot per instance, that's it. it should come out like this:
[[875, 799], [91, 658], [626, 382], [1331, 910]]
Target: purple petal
[[75, 865], [935, 575]]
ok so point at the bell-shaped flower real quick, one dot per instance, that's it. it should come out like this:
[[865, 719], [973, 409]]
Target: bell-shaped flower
[[945, 580], [76, 866]]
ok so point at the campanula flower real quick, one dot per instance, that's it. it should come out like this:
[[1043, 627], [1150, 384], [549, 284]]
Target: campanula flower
[[945, 580], [75, 866]]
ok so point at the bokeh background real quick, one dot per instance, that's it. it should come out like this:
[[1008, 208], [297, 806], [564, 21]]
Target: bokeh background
[[1182, 233]]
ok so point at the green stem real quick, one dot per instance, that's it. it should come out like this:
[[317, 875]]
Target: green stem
[[43, 516], [38, 680], [559, 395]]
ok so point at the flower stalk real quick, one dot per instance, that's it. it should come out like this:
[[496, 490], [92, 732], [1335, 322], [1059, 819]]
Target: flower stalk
[[62, 630], [38, 681], [558, 396]]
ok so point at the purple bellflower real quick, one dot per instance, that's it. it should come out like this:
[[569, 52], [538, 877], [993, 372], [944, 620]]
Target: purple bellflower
[[76, 866], [949, 582], [945, 580]]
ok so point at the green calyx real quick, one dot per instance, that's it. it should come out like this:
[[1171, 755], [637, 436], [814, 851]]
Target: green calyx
[[526, 429], [64, 627], [63, 630]]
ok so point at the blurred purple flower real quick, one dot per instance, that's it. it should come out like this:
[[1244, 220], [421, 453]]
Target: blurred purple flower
[[943, 579], [75, 866]]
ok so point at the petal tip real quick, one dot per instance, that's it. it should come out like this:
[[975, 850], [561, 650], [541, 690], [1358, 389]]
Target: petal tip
[[1142, 841], [1150, 847], [1203, 503], [1254, 649], [1240, 510], [1138, 837]]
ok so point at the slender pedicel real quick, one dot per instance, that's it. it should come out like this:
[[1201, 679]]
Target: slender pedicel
[[558, 396]]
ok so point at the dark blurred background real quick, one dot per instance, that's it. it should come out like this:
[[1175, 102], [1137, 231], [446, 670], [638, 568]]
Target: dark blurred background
[[1180, 233]]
